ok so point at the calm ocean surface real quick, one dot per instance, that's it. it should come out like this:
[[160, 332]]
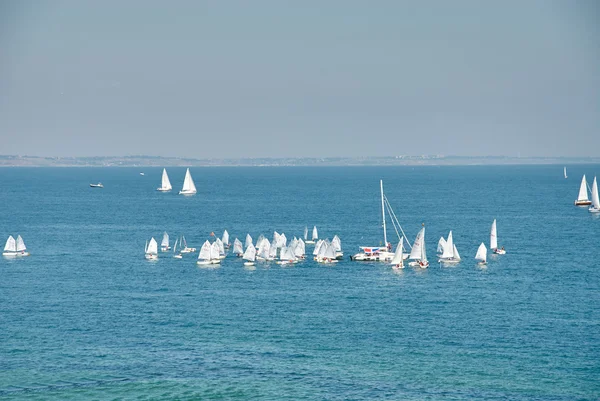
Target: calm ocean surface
[[87, 317]]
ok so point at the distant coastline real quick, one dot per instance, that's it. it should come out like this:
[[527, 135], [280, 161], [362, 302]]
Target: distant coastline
[[158, 161]]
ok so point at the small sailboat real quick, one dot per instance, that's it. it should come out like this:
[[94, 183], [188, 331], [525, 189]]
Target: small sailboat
[[238, 249], [248, 241], [15, 248], [595, 208], [481, 255], [315, 236], [418, 252], [326, 253], [582, 199], [336, 243], [188, 184], [204, 257], [225, 239], [249, 256], [165, 184], [184, 247], [98, 185], [398, 259], [494, 241], [151, 249], [305, 234], [450, 253], [565, 172], [176, 255], [164, 244]]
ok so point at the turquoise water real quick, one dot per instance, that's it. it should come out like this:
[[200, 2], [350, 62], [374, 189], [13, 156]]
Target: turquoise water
[[86, 316]]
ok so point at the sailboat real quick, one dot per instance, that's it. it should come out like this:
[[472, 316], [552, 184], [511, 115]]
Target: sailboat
[[565, 172], [225, 239], [398, 259], [166, 184], [98, 185], [418, 252], [176, 255], [481, 255], [15, 248], [595, 208], [238, 249], [382, 253], [305, 234], [494, 241], [209, 254], [249, 256], [450, 253], [582, 199], [184, 247], [315, 236], [164, 244], [188, 185], [151, 250]]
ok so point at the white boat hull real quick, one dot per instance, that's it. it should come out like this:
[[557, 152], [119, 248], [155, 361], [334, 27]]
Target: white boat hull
[[180, 256], [203, 262], [499, 251], [309, 242], [152, 257], [375, 257], [187, 192], [449, 261], [163, 189], [593, 210], [248, 263], [9, 254]]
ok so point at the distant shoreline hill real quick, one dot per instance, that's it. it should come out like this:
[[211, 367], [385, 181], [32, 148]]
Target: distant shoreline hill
[[157, 161]]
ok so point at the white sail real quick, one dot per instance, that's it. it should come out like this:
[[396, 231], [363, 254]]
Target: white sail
[[493, 237], [20, 244], [248, 241], [329, 252], [165, 241], [237, 247], [250, 254], [448, 248], [583, 193], [595, 200], [397, 259], [205, 251], [215, 250], [188, 184], [273, 250], [441, 245], [481, 253], [300, 248], [225, 237], [263, 249], [336, 243], [424, 250], [318, 246], [565, 172], [11, 245], [220, 246], [315, 233], [165, 183], [305, 233], [456, 255], [152, 247], [417, 249]]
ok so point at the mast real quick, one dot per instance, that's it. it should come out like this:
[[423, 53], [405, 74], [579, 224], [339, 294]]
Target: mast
[[383, 214]]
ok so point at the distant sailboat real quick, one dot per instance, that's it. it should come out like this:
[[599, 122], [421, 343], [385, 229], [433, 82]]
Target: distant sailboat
[[398, 259], [184, 247], [249, 256], [98, 185], [225, 239], [565, 172], [481, 255], [15, 248], [494, 240], [238, 249], [166, 184], [305, 234], [450, 253], [188, 184], [595, 208], [418, 252], [582, 199], [151, 250], [164, 244], [315, 236], [176, 255]]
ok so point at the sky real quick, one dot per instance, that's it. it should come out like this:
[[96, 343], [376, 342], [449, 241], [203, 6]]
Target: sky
[[231, 79]]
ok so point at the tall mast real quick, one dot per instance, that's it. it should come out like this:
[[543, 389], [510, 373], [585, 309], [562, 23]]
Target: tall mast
[[383, 214]]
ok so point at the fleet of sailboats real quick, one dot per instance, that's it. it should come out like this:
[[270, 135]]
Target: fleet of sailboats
[[188, 184]]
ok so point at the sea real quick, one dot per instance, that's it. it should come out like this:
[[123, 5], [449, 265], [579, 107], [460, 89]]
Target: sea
[[86, 316]]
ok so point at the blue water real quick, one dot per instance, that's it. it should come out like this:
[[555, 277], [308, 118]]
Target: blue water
[[87, 317]]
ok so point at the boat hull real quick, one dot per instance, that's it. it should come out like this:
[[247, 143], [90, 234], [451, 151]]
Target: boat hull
[[178, 256], [375, 257], [583, 202], [187, 192], [151, 257], [163, 189], [203, 262], [499, 251], [248, 263], [593, 210]]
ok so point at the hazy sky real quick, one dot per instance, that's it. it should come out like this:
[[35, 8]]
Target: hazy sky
[[299, 78]]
